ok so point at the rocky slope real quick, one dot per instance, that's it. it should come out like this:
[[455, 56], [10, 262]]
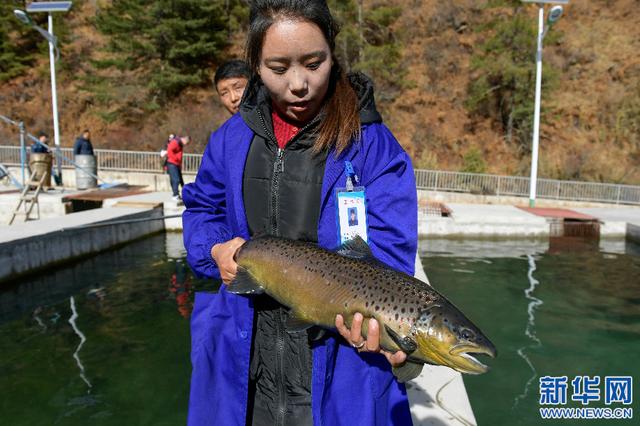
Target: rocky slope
[[591, 121]]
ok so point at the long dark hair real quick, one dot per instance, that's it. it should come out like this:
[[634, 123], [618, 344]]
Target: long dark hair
[[341, 121]]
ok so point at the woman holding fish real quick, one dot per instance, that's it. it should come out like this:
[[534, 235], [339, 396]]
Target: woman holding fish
[[306, 134]]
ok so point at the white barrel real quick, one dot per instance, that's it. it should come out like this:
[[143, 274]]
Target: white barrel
[[84, 180]]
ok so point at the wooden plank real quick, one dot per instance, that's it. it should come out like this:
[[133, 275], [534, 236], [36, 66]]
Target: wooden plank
[[103, 194]]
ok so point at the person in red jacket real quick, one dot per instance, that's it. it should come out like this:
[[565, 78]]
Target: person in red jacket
[[175, 149]]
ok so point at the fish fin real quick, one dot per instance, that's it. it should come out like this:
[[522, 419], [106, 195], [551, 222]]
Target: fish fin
[[244, 284], [295, 324], [407, 371], [406, 344], [316, 333], [356, 248]]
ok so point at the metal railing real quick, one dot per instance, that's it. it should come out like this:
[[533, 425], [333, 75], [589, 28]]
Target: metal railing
[[151, 162], [114, 160], [517, 186]]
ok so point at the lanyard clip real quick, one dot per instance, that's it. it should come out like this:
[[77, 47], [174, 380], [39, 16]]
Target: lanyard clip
[[351, 175]]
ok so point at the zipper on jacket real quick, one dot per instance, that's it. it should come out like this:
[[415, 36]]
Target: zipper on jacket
[[282, 390], [278, 168]]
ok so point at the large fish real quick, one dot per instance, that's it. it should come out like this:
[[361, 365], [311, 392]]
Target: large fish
[[318, 284]]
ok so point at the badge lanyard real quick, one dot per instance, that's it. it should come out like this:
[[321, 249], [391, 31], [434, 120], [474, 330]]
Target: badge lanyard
[[351, 206]]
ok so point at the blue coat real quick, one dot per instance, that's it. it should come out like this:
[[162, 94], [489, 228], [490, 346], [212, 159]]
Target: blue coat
[[348, 388], [82, 146]]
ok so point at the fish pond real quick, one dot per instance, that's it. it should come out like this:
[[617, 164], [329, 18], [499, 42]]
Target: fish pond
[[565, 307], [105, 340]]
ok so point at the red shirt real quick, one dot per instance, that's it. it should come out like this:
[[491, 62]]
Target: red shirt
[[283, 130], [174, 152]]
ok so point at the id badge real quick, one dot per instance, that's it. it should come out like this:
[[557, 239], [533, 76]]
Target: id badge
[[352, 214]]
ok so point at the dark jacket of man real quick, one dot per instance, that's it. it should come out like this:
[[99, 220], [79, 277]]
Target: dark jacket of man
[[38, 148], [82, 146]]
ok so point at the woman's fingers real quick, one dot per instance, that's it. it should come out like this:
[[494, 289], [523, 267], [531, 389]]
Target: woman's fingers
[[395, 359], [372, 343], [342, 329], [353, 334], [356, 329], [373, 336], [224, 256]]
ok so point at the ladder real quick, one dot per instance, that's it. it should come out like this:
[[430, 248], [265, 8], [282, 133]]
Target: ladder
[[29, 197]]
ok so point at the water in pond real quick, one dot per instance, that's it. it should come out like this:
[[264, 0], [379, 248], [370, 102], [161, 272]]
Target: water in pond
[[105, 341], [551, 309], [102, 342]]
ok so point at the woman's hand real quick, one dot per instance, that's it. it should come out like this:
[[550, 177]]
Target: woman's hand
[[372, 344], [224, 255]]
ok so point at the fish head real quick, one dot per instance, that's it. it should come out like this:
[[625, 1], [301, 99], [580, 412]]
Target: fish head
[[444, 336]]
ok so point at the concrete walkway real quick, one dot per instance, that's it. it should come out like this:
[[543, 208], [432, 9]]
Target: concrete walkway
[[170, 206], [478, 220], [50, 204], [29, 246], [499, 220]]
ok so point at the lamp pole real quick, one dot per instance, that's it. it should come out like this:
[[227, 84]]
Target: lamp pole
[[54, 100], [536, 113], [554, 15], [23, 151], [49, 7]]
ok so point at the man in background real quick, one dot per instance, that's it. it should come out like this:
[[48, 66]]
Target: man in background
[[41, 148], [83, 144], [41, 161], [230, 81], [174, 163]]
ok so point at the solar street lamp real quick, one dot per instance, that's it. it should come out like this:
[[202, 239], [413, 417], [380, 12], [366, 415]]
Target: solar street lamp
[[50, 8], [23, 17], [26, 19], [554, 15]]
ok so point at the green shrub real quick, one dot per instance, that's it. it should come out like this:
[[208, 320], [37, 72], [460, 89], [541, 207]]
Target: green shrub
[[473, 162], [504, 86]]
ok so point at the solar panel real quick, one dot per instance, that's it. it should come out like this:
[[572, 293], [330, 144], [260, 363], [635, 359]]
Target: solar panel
[[49, 6]]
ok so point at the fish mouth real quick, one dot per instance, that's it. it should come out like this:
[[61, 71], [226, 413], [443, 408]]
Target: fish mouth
[[468, 353]]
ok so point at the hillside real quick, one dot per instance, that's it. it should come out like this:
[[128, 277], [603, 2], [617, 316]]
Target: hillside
[[591, 116]]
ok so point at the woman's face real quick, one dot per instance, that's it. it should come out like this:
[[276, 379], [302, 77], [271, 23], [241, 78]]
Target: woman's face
[[295, 66]]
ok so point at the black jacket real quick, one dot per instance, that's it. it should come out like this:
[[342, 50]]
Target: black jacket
[[281, 192], [82, 146]]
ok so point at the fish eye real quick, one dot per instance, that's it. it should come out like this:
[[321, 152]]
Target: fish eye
[[467, 334]]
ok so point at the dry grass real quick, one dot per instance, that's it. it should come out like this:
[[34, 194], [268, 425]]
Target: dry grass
[[597, 58]]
